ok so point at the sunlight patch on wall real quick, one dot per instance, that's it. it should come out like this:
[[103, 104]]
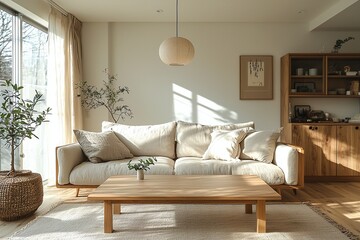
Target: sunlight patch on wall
[[183, 104], [212, 113], [191, 107]]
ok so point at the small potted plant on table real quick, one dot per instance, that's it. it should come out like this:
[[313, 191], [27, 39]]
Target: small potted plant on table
[[141, 166]]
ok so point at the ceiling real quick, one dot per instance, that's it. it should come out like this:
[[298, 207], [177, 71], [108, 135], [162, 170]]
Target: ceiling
[[318, 14]]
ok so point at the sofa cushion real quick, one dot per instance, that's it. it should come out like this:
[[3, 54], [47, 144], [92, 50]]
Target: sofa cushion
[[193, 139], [260, 145], [88, 173], [224, 144], [270, 173], [199, 166], [151, 140], [101, 146]]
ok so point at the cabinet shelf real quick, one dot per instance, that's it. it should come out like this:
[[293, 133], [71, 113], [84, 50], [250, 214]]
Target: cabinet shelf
[[321, 95], [343, 77], [307, 77]]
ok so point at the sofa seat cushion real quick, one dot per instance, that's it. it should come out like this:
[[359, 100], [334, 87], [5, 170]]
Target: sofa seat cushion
[[147, 140], [193, 139], [199, 166], [88, 173], [268, 172]]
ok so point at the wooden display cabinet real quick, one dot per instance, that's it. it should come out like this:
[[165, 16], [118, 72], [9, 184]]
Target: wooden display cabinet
[[331, 150]]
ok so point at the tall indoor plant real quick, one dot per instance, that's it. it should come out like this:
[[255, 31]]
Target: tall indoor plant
[[19, 119], [108, 96]]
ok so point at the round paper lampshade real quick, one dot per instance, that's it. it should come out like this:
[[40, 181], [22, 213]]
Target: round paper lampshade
[[176, 51]]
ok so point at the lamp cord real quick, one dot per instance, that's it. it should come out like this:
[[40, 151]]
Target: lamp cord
[[177, 18]]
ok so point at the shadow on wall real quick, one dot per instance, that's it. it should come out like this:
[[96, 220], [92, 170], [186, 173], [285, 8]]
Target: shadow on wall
[[191, 107]]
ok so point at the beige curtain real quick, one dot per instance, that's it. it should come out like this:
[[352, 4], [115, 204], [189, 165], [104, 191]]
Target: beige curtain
[[64, 71]]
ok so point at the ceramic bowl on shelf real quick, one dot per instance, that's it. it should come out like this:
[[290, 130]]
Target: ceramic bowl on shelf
[[351, 73], [341, 91]]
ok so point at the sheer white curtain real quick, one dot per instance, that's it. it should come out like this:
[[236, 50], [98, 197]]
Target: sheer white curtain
[[64, 71]]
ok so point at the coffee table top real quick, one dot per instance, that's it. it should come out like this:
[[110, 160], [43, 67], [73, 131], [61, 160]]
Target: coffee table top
[[184, 188]]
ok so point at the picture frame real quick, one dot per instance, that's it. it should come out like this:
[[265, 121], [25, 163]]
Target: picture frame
[[256, 77]]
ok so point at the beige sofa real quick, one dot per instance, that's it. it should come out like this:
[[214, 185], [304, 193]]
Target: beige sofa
[[183, 148]]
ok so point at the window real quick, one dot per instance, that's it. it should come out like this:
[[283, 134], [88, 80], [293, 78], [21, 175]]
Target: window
[[23, 58], [6, 60]]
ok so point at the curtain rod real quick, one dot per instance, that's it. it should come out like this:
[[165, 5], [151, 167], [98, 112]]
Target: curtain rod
[[57, 7]]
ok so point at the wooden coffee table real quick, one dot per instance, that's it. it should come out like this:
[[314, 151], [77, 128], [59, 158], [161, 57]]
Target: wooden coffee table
[[172, 189]]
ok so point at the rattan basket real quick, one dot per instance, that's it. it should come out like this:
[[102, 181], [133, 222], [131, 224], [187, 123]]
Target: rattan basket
[[20, 196]]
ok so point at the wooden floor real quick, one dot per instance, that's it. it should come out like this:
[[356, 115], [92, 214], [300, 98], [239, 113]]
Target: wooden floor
[[341, 201]]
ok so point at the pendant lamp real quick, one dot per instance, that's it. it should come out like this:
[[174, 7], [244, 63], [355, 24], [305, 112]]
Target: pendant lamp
[[176, 51]]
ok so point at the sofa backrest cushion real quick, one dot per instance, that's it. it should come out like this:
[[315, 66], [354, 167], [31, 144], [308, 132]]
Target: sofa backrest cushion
[[193, 139], [150, 140]]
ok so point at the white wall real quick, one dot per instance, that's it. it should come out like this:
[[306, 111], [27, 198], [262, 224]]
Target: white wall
[[206, 90]]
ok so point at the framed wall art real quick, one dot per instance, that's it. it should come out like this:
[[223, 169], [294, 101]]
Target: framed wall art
[[256, 77]]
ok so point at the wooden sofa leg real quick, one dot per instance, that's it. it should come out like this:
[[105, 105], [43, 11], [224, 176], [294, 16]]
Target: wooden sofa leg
[[278, 190], [77, 192]]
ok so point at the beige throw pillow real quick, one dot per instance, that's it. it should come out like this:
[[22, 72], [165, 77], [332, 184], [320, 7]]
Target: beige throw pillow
[[260, 145], [224, 144], [102, 146]]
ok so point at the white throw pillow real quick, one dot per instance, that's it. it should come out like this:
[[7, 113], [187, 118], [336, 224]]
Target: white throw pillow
[[224, 144], [102, 146], [260, 145]]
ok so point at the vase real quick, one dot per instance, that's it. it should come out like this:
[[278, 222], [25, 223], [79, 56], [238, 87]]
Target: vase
[[140, 174]]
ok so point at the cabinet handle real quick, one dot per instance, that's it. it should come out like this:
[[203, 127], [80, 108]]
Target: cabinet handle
[[356, 128], [311, 128], [316, 128]]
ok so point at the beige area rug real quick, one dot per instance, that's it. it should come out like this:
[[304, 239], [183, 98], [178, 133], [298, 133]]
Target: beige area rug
[[85, 221]]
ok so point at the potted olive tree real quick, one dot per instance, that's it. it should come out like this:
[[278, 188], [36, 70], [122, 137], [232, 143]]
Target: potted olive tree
[[21, 192]]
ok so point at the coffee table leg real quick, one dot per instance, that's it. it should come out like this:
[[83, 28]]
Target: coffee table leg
[[117, 208], [261, 216], [108, 217]]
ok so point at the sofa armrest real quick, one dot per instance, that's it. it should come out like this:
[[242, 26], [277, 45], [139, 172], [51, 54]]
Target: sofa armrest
[[290, 159], [67, 157]]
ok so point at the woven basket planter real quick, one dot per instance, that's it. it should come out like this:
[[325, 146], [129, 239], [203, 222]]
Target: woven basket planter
[[20, 196]]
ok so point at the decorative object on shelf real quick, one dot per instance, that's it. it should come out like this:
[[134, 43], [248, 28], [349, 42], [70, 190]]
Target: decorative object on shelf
[[354, 88], [341, 91], [339, 43], [21, 192], [108, 96], [317, 115], [313, 71], [302, 111], [304, 87], [141, 166], [299, 71], [176, 51], [256, 77]]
